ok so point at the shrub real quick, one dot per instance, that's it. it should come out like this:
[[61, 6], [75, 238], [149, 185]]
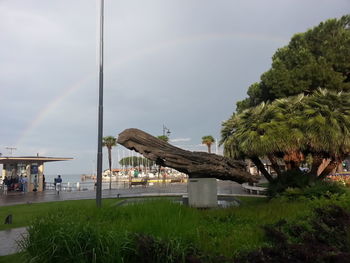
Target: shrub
[[342, 179], [289, 179], [325, 238], [296, 184]]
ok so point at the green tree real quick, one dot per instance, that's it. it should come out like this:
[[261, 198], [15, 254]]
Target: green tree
[[289, 129], [320, 57], [208, 141], [109, 142], [135, 161], [164, 138]]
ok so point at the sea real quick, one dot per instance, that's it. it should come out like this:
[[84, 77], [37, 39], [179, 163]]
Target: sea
[[71, 181], [66, 178]]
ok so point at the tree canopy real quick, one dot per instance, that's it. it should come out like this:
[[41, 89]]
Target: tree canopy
[[109, 141], [318, 58], [208, 141], [164, 138], [291, 128], [135, 161]]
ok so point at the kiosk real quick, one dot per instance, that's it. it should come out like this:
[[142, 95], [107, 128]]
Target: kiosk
[[16, 168]]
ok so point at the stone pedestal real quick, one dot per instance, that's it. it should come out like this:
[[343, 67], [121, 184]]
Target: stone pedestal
[[202, 192]]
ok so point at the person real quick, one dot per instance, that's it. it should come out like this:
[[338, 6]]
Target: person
[[136, 173], [35, 183], [5, 183], [44, 186], [58, 182], [24, 183], [20, 183]]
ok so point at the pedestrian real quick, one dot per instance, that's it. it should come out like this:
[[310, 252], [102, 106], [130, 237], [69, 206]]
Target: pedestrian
[[5, 183], [58, 182], [44, 186], [24, 183], [35, 183], [20, 183]]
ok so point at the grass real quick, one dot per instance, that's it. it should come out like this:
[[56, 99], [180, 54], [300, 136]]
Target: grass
[[24, 214], [77, 228], [263, 185], [14, 258]]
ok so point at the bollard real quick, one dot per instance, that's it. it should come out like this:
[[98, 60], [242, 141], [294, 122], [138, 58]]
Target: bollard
[[8, 219]]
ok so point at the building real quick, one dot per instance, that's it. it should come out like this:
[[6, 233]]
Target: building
[[28, 166]]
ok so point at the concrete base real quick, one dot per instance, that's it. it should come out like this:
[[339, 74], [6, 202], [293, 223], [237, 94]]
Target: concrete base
[[202, 192]]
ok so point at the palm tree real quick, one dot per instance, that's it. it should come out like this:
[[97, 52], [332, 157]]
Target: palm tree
[[327, 117], [290, 129], [109, 142], [208, 140]]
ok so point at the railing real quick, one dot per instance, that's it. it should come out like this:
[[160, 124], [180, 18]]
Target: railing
[[254, 189], [122, 184]]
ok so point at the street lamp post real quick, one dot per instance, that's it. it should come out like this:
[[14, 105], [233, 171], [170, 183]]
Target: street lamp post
[[166, 131], [100, 115]]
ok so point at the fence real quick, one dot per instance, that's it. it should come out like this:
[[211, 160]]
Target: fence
[[122, 184]]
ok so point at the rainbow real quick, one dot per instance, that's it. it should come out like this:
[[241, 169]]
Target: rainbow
[[127, 59]]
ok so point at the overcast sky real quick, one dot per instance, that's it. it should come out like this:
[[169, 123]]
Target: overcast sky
[[179, 63]]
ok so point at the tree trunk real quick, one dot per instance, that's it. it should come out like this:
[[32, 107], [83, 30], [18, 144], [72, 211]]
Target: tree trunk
[[274, 164], [292, 160], [317, 161], [261, 168], [323, 166], [330, 167], [340, 167], [209, 148], [110, 167], [195, 164]]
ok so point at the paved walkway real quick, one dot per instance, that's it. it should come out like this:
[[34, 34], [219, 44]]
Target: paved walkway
[[9, 238], [224, 187]]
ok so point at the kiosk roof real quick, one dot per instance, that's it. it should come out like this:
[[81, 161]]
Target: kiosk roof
[[11, 159]]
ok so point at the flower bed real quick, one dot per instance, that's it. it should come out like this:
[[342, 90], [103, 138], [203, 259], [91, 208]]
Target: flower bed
[[342, 179]]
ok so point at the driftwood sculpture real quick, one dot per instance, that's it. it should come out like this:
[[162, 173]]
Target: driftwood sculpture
[[194, 164]]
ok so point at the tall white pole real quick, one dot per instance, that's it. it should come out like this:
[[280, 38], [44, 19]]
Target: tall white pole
[[100, 114]]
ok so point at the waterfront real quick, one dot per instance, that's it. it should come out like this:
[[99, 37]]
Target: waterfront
[[72, 178]]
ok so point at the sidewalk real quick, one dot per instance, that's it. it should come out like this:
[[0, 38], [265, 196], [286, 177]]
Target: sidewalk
[[8, 240], [14, 198]]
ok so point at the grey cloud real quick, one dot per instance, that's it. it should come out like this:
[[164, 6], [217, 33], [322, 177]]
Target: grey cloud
[[179, 63]]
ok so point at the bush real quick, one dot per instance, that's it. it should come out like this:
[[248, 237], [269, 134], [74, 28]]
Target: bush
[[324, 238], [296, 184]]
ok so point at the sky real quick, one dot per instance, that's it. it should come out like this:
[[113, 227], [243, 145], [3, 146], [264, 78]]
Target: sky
[[179, 63]]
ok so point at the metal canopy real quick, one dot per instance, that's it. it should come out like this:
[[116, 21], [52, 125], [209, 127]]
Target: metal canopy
[[5, 160]]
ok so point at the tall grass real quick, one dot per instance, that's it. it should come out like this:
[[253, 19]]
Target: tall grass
[[109, 234], [159, 231], [13, 258]]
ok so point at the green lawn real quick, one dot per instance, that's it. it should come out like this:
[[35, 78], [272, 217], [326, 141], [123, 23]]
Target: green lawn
[[24, 214], [263, 185], [15, 258], [72, 227]]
